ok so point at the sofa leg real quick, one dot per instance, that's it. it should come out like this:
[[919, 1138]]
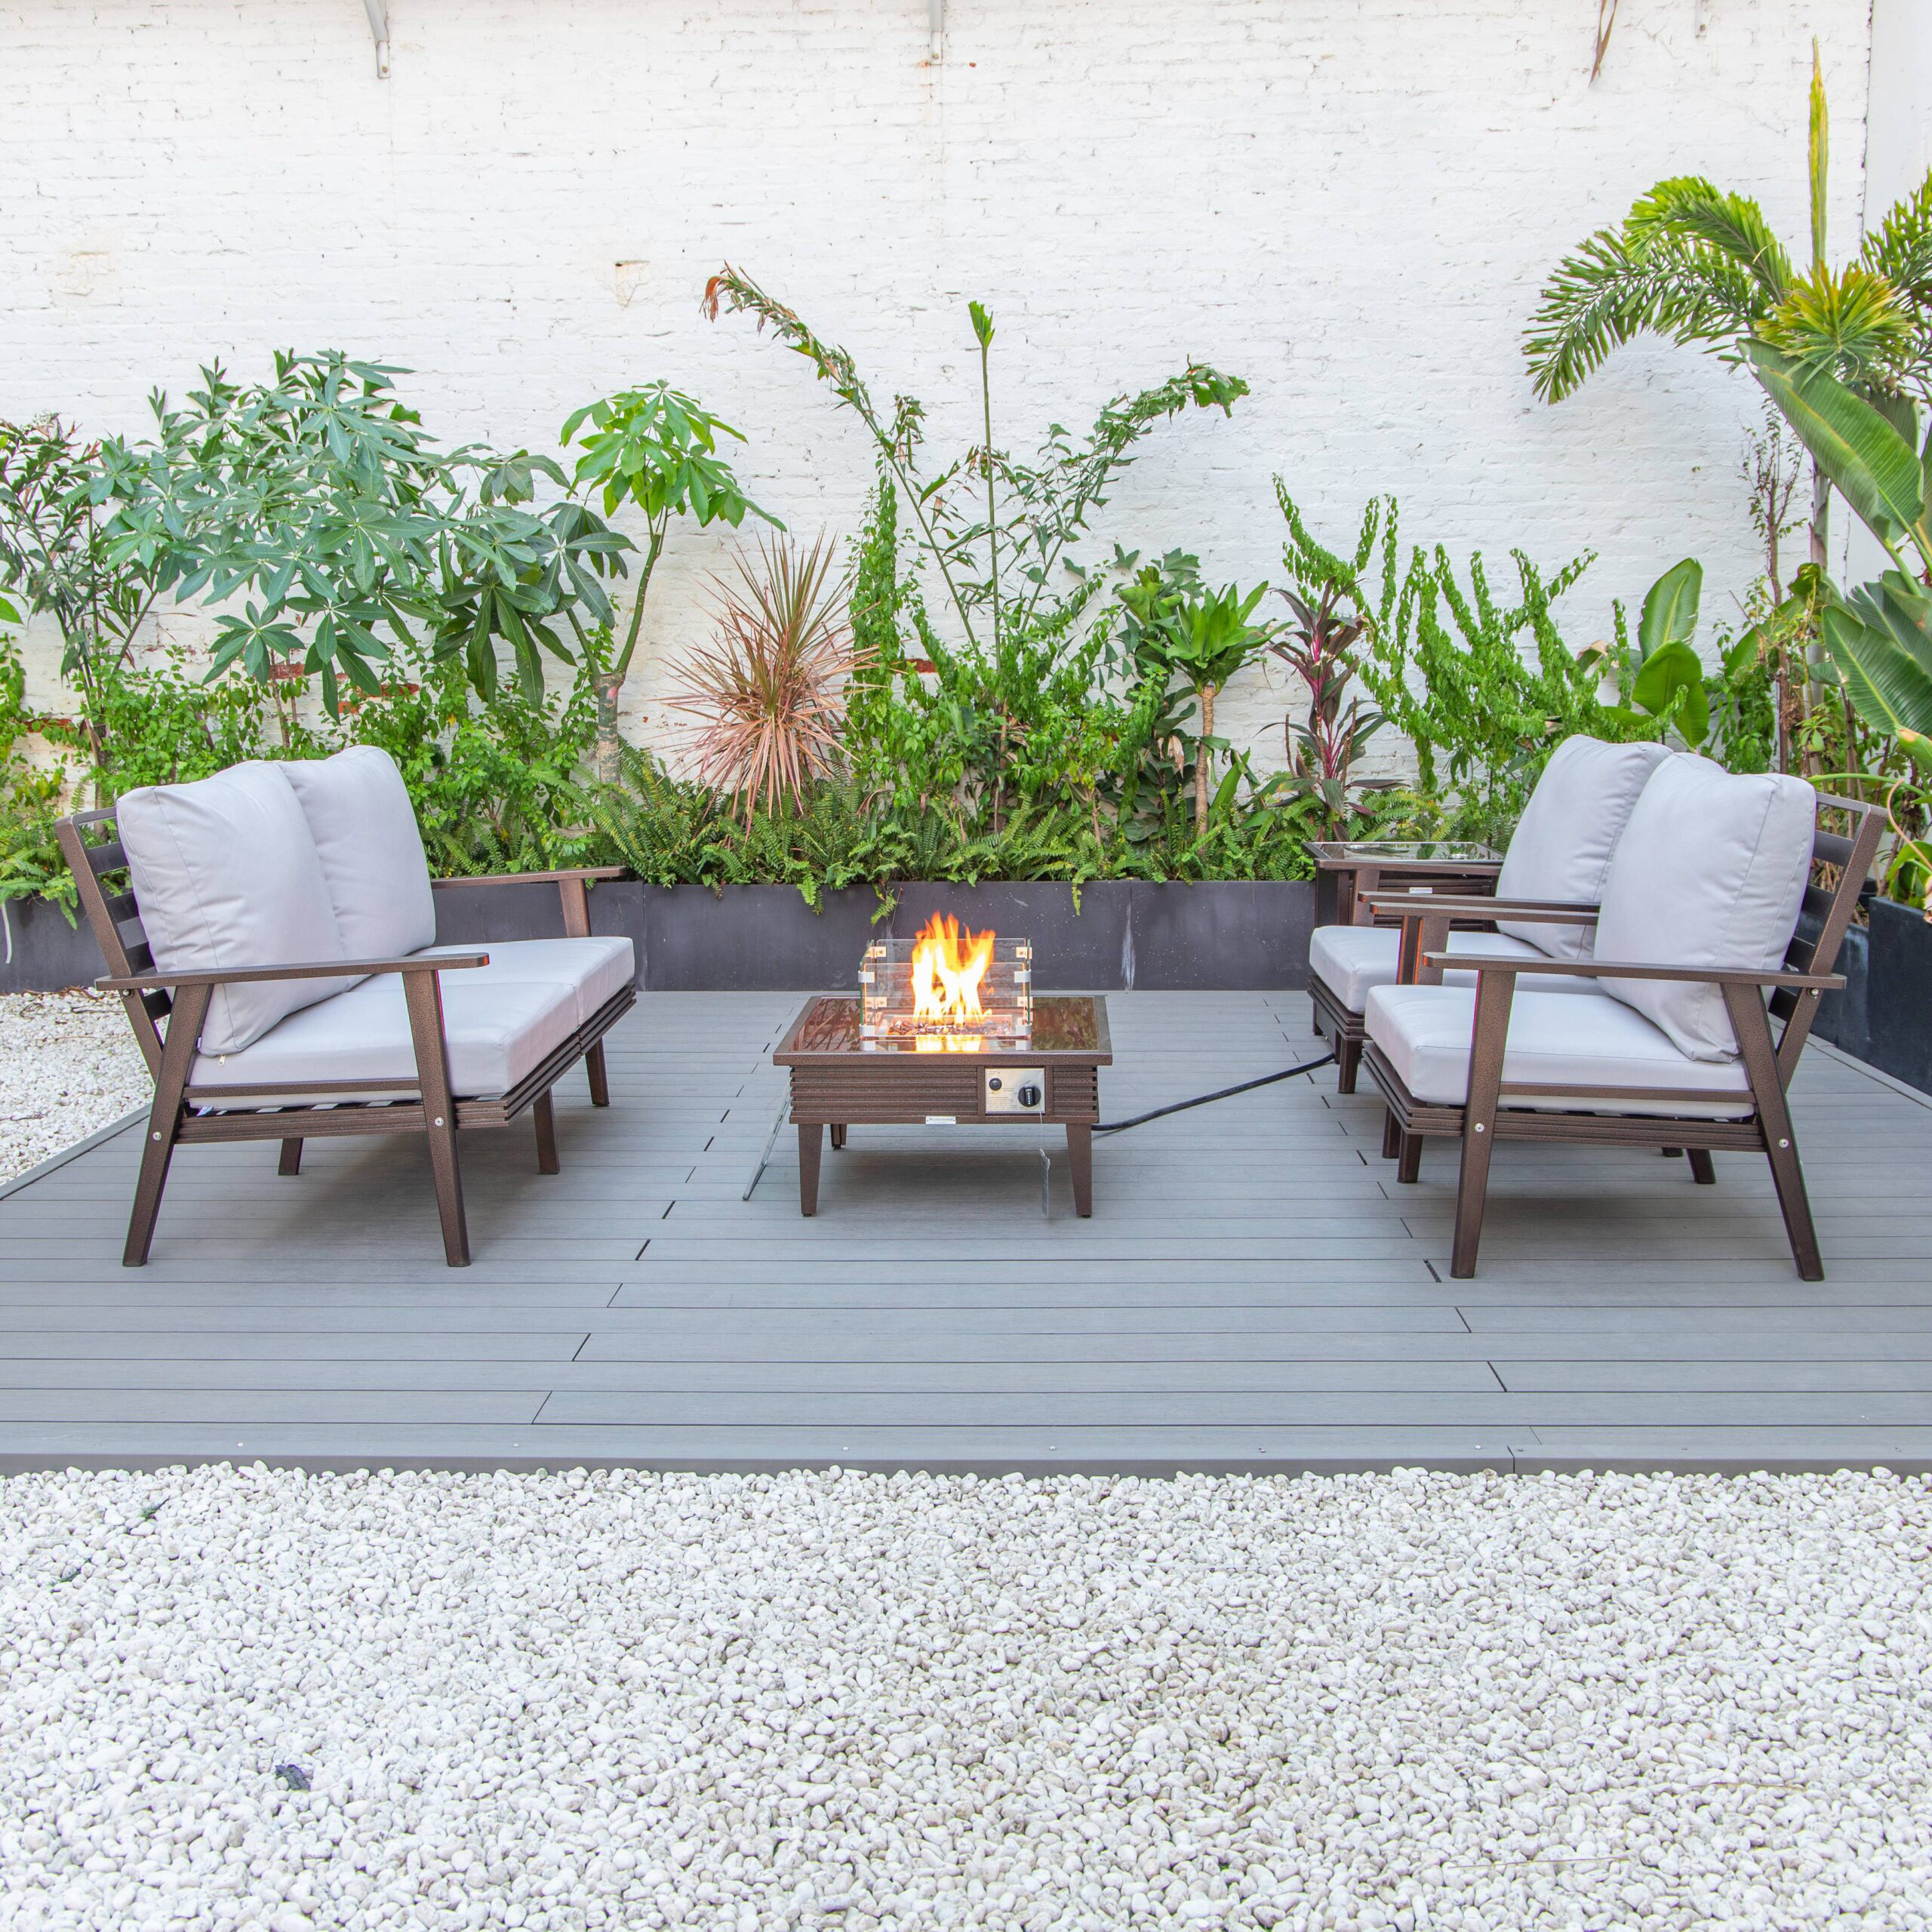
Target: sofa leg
[[545, 1115], [1472, 1195], [1391, 1135], [1752, 1024], [1348, 1058], [290, 1162], [1703, 1170], [170, 1082], [600, 1079], [1408, 1157]]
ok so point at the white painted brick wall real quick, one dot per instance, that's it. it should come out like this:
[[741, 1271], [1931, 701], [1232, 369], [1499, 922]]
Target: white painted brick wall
[[1351, 202]]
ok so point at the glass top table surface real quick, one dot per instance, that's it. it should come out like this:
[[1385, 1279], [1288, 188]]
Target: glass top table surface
[[1063, 1023], [1335, 852]]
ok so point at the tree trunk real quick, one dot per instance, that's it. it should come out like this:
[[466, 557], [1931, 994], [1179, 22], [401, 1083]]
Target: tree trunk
[[609, 686], [1200, 769]]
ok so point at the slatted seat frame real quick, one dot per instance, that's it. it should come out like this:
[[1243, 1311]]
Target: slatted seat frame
[[187, 1115], [1769, 1061]]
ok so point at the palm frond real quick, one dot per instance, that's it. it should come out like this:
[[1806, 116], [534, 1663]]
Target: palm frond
[[1900, 247], [1608, 292], [1688, 207]]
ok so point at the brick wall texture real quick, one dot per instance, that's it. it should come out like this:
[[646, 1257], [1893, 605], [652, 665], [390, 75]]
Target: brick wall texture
[[1350, 202]]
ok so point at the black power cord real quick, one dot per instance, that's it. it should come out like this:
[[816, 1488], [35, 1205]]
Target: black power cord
[[1226, 1092]]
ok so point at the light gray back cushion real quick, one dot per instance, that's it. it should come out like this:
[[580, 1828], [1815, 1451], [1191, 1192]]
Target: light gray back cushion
[[1562, 846], [364, 829], [1710, 872], [225, 875]]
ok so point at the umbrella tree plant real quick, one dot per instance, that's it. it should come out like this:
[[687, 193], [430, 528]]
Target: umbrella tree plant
[[656, 448]]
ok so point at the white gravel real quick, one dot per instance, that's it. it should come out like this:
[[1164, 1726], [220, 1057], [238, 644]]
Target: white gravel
[[834, 1700], [68, 1065]]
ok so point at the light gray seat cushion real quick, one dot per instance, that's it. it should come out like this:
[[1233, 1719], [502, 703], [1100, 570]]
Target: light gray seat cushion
[[1562, 846], [595, 970], [226, 874], [1352, 961], [359, 815], [1710, 872], [1424, 1033], [497, 1032]]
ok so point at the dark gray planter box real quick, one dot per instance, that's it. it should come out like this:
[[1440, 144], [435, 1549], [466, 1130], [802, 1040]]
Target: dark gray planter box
[[43, 953], [1226, 937], [1883, 1014], [1235, 935]]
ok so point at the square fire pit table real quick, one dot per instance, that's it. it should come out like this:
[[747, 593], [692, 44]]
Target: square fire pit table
[[840, 1077]]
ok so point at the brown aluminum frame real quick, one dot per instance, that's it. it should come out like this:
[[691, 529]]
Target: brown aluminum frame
[[1485, 1117], [184, 1115]]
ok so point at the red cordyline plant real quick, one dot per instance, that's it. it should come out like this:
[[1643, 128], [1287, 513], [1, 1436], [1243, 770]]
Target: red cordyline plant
[[769, 693], [1318, 645]]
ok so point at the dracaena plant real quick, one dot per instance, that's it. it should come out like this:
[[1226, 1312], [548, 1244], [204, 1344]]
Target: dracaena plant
[[656, 449], [766, 696], [1702, 266], [324, 525]]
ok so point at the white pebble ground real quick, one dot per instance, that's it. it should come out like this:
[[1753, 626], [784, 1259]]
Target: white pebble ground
[[616, 1700], [68, 1065]]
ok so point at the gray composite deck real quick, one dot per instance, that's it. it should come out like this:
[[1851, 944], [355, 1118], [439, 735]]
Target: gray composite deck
[[1254, 1292]]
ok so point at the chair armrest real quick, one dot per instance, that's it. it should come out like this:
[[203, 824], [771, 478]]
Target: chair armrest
[[531, 878], [320, 969], [1594, 969], [1442, 905]]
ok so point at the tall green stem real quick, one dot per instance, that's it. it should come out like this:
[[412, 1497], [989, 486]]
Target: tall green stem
[[993, 524]]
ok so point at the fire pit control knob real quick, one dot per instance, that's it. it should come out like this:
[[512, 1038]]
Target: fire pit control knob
[[994, 1083], [1029, 1096]]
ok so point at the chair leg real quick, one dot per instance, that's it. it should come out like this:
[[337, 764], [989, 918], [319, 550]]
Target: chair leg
[[1489, 1040], [177, 1055], [600, 1079], [1753, 1026], [838, 1138], [290, 1162], [545, 1116], [1408, 1157], [1703, 1171], [425, 1002], [1391, 1135], [1348, 1059]]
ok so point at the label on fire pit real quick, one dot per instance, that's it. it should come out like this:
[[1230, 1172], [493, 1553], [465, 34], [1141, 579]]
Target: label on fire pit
[[942, 1120]]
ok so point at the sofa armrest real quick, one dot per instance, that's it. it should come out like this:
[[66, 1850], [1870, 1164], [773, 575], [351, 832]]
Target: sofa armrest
[[320, 969], [529, 879], [572, 887]]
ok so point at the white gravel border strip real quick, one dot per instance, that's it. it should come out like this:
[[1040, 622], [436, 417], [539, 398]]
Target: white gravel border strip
[[238, 1698], [133, 1118]]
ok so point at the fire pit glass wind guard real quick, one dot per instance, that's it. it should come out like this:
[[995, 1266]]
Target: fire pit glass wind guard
[[947, 990]]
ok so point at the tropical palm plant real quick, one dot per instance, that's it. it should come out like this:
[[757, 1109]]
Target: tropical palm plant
[[1703, 267], [768, 695]]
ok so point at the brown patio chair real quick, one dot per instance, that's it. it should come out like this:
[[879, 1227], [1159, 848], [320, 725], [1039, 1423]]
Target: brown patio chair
[[1559, 854], [1673, 1045], [280, 921]]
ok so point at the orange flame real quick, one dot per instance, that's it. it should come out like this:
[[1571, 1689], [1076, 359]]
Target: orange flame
[[948, 964]]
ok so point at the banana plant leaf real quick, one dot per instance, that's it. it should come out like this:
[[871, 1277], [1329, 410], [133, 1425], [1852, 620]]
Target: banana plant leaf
[[1670, 682], [1873, 467], [1880, 640], [1671, 608]]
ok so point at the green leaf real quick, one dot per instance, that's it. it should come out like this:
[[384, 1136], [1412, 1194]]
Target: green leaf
[[1818, 157], [982, 324], [1671, 608], [1887, 670], [1863, 455], [1672, 680]]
